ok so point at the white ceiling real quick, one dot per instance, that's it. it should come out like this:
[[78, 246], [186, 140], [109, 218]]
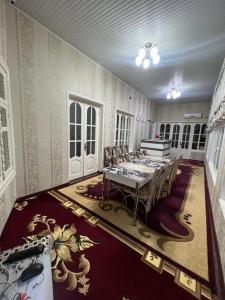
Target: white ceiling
[[190, 35]]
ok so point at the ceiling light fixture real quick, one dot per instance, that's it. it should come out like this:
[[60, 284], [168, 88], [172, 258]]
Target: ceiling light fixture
[[174, 94], [144, 55]]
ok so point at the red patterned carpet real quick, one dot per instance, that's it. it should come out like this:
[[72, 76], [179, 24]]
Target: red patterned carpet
[[87, 262], [174, 231]]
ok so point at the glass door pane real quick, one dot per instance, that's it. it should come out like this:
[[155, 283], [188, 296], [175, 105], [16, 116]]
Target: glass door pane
[[75, 130], [91, 130], [186, 136], [175, 136]]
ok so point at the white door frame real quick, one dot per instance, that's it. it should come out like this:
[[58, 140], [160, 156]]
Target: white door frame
[[132, 126], [84, 99], [182, 123]]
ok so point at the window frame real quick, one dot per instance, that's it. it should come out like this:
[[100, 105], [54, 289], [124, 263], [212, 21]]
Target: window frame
[[163, 130], [199, 135], [217, 151], [123, 128], [6, 176], [217, 137], [175, 136]]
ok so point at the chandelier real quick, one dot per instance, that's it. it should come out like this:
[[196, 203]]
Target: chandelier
[[145, 54], [174, 94]]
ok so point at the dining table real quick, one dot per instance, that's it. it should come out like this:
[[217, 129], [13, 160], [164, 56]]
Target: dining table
[[133, 174]]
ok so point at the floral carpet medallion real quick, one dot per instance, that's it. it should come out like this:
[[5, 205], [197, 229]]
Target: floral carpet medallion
[[65, 242]]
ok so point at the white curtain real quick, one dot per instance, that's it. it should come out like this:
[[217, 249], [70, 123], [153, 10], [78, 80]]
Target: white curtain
[[217, 111]]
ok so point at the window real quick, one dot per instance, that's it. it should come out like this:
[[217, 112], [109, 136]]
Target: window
[[162, 130], [186, 136], [215, 144], [199, 137], [123, 124], [175, 136], [165, 131], [219, 141], [6, 168]]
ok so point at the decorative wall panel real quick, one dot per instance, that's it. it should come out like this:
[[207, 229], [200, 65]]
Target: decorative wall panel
[[175, 112], [60, 69], [2, 30], [28, 102], [56, 111], [216, 187], [7, 199]]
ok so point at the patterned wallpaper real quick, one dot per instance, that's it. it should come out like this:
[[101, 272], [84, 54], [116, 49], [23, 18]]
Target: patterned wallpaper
[[175, 112], [44, 69], [8, 198], [216, 187]]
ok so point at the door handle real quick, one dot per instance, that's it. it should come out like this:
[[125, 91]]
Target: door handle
[[85, 146]]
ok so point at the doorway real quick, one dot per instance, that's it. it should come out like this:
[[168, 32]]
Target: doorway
[[83, 139], [186, 138]]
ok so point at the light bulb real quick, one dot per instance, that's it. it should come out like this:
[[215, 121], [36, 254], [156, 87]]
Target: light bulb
[[154, 51], [138, 60], [146, 63], [178, 94], [174, 94], [156, 59], [168, 96], [142, 53]]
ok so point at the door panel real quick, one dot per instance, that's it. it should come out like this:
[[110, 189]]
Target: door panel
[[186, 138], [175, 140], [91, 139], [75, 143], [83, 139]]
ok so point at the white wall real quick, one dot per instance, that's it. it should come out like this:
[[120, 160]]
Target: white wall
[[43, 69], [175, 112], [216, 181], [7, 198]]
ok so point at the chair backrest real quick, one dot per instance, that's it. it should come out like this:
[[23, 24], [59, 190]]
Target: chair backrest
[[172, 174], [114, 161], [176, 164], [127, 157], [152, 189], [137, 154], [107, 157], [165, 172]]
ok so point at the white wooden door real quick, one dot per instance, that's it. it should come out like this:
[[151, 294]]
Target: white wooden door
[[175, 138], [181, 135], [76, 144], [185, 140], [83, 139], [91, 139]]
